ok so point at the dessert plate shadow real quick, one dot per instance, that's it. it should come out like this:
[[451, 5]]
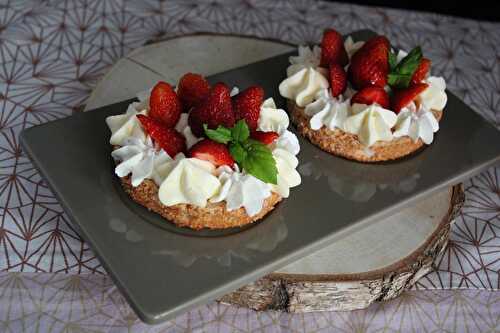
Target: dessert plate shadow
[[163, 272]]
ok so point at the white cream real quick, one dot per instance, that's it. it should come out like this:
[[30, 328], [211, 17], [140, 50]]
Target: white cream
[[288, 177], [327, 111], [241, 190], [352, 47], [416, 124], [182, 127], [434, 97], [139, 158], [303, 86], [187, 181], [305, 58], [288, 141], [272, 119], [126, 125], [371, 123]]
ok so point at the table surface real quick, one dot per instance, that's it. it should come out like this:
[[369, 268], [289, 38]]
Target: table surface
[[52, 55]]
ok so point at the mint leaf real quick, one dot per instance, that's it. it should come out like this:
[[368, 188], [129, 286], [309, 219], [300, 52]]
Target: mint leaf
[[259, 162], [401, 74], [399, 80], [393, 60], [240, 131], [409, 64], [220, 135], [238, 152]]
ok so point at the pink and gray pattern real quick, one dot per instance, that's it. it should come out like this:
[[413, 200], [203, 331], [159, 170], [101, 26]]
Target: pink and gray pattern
[[53, 52]]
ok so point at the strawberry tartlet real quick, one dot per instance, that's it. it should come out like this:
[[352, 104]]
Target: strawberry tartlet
[[205, 156], [362, 100]]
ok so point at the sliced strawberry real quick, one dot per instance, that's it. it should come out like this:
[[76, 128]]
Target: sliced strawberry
[[421, 71], [338, 79], [332, 49], [265, 137], [370, 64], [192, 90], [164, 105], [402, 98], [171, 141], [211, 151], [371, 95], [215, 110], [246, 105]]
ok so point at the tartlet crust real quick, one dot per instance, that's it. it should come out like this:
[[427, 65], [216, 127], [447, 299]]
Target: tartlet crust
[[347, 145], [212, 216]]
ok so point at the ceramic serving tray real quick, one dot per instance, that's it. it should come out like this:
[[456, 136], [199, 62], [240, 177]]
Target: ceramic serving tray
[[163, 270]]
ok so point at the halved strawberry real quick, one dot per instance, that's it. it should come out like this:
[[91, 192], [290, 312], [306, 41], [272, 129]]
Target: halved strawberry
[[171, 141], [338, 79], [164, 105], [246, 105], [265, 137], [332, 49], [192, 90], [371, 95], [370, 64], [421, 71], [402, 98], [211, 151], [215, 110]]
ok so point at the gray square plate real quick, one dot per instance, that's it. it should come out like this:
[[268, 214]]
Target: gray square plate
[[163, 272]]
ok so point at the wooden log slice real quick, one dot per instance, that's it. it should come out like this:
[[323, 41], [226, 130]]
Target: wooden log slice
[[375, 263]]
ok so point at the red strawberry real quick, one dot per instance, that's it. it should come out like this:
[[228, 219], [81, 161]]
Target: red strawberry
[[211, 151], [164, 105], [246, 105], [371, 95], [332, 49], [215, 110], [171, 141], [338, 79], [265, 137], [421, 71], [370, 64], [192, 90], [402, 98]]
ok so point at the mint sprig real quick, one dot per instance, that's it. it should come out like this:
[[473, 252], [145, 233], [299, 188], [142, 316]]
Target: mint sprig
[[252, 156], [401, 73]]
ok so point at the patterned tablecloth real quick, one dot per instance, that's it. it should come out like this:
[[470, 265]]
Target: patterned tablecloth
[[53, 52]]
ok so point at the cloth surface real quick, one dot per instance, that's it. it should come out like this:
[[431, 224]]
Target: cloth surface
[[52, 53]]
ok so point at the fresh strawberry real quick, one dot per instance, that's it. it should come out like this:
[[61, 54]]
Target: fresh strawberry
[[246, 105], [265, 137], [211, 151], [338, 79], [370, 64], [215, 110], [171, 141], [371, 95], [164, 105], [402, 98], [332, 49], [421, 71], [192, 90]]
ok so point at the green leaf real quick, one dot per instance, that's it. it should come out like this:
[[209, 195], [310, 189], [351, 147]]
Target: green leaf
[[237, 152], [260, 162], [240, 131], [221, 134], [398, 81], [393, 60], [401, 74], [409, 64]]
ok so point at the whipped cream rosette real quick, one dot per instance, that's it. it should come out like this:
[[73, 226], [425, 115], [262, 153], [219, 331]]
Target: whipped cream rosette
[[362, 100], [243, 163]]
